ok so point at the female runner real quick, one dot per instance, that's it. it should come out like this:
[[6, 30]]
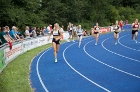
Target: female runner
[[57, 35], [135, 28], [116, 29], [96, 33], [79, 34]]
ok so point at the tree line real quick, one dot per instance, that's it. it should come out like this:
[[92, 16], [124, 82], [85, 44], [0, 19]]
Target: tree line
[[40, 13]]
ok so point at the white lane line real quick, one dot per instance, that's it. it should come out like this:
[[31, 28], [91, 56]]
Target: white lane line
[[117, 53], [107, 64], [38, 74], [125, 45], [80, 73]]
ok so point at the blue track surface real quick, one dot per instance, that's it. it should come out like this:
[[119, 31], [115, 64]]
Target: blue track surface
[[105, 67]]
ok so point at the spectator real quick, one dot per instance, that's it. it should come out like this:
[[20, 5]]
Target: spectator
[[34, 32], [3, 37], [44, 31], [12, 33], [19, 34], [38, 31], [62, 29], [8, 33], [51, 28], [85, 33], [27, 34], [30, 31], [41, 31]]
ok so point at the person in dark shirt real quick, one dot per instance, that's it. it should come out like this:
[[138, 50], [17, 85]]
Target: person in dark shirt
[[3, 37]]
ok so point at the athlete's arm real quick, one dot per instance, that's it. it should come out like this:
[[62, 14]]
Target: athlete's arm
[[133, 24]]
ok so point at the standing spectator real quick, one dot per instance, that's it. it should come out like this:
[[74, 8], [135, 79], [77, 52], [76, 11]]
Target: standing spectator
[[27, 34], [51, 28], [38, 31], [62, 29], [41, 31], [45, 31], [34, 32], [48, 28], [30, 31], [74, 30], [70, 30]]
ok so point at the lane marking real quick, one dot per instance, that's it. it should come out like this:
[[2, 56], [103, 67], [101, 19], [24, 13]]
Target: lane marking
[[125, 45], [38, 74], [117, 53], [79, 72], [38, 60], [107, 64]]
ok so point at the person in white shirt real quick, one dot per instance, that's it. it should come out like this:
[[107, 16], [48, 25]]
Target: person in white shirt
[[27, 34]]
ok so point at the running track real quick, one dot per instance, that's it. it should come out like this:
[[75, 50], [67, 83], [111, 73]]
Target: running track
[[101, 68]]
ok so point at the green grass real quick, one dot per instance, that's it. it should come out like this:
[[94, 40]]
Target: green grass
[[15, 77]]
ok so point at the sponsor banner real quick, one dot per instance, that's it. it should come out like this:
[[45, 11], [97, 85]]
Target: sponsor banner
[[65, 35], [105, 29], [11, 54], [2, 59], [43, 40], [30, 44]]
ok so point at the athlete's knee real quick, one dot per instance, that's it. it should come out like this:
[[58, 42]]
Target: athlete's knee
[[55, 51]]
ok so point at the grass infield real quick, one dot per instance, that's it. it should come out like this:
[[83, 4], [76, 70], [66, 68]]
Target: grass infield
[[15, 77]]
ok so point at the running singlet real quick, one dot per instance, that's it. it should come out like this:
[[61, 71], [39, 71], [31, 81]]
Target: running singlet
[[136, 25], [56, 33], [97, 28], [79, 31], [121, 24], [70, 28], [116, 28]]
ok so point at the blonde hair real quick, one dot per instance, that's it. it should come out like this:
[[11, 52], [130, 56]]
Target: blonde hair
[[56, 26]]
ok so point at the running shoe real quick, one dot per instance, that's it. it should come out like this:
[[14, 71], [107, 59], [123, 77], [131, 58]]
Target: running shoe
[[55, 61], [136, 41], [68, 40], [78, 46], [95, 43]]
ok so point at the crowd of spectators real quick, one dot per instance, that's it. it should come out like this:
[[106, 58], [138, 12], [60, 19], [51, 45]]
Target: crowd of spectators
[[8, 35]]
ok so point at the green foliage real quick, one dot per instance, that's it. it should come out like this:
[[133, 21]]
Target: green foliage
[[36, 13]]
